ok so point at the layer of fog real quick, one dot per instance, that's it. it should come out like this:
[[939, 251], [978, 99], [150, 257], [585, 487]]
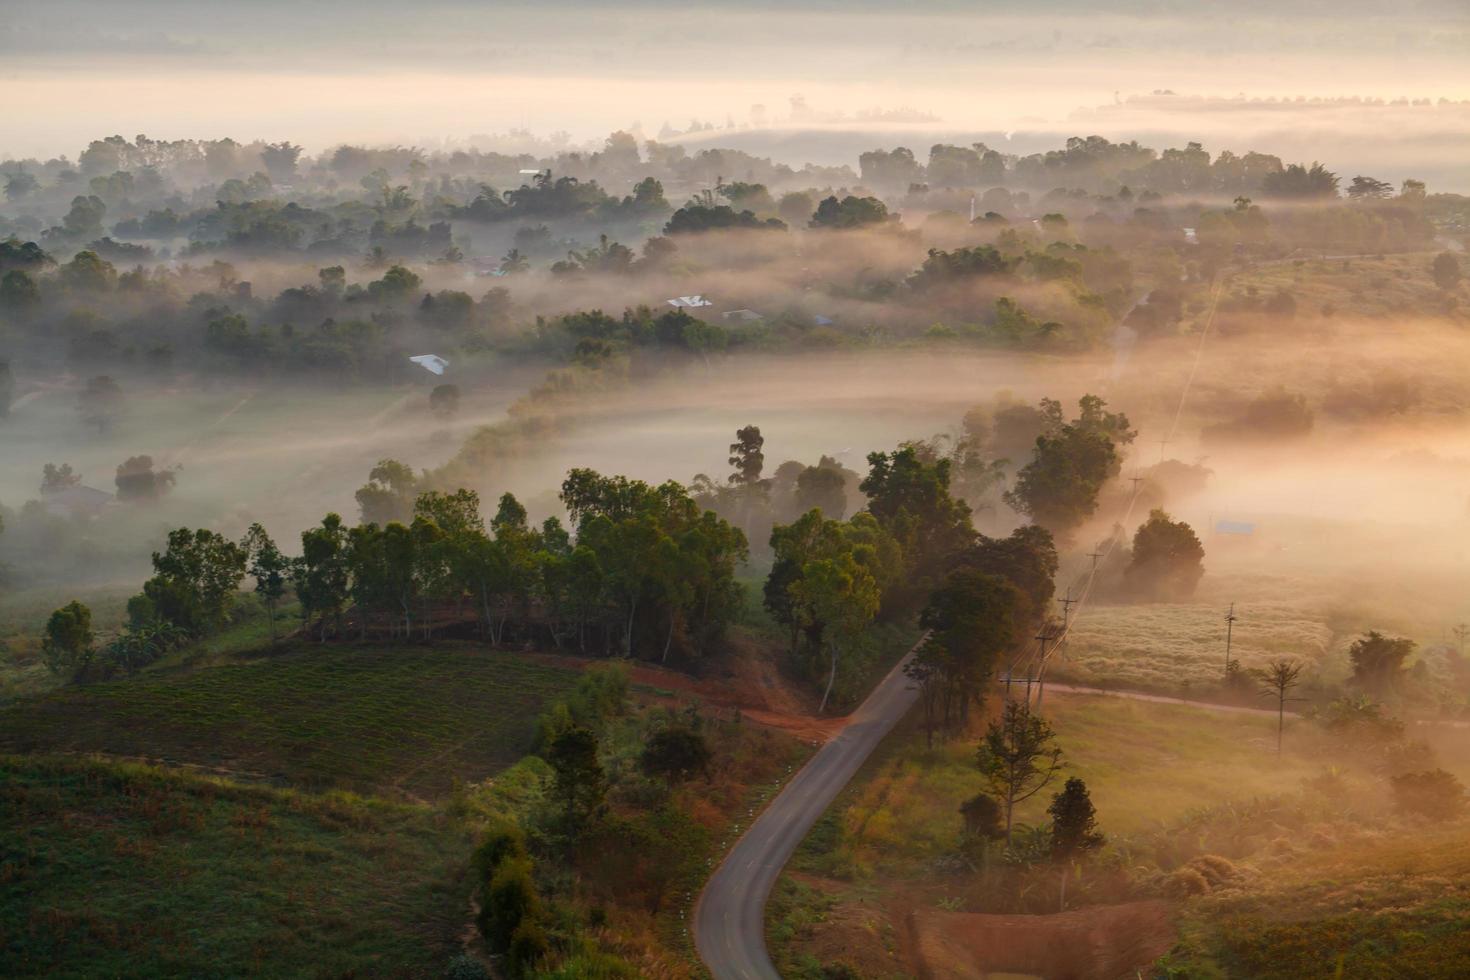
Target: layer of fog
[[315, 74]]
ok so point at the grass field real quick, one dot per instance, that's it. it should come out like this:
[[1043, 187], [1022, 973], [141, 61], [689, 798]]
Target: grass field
[[119, 869], [391, 721], [1177, 647], [1145, 765], [1385, 908]]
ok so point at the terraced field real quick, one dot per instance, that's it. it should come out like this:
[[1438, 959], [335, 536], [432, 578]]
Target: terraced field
[[396, 722]]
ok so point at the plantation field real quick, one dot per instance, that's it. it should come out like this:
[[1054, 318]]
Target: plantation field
[[391, 721], [120, 869], [1174, 648], [1389, 908]]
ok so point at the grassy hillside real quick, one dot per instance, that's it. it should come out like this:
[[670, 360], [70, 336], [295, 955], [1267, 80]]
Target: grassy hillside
[[1374, 908], [120, 869], [404, 721]]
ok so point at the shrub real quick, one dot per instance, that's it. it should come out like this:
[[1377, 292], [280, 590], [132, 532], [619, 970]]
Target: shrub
[[509, 899], [466, 967], [675, 754], [1215, 869], [1186, 883], [503, 840], [1434, 794], [528, 945]]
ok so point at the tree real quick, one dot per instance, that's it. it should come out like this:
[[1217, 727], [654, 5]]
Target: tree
[[1073, 828], [840, 597], [1058, 488], [444, 400], [1297, 181], [910, 498], [982, 816], [1378, 662], [675, 754], [1167, 561], [389, 493], [1017, 758], [850, 212], [67, 646], [1446, 270], [321, 574], [1279, 677], [19, 292], [822, 488], [1369, 189], [195, 579], [972, 622], [55, 478], [136, 479], [268, 567], [100, 402], [580, 784]]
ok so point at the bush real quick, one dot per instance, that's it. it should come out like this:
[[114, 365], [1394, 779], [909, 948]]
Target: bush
[[1434, 794], [1186, 883], [466, 967], [509, 900], [528, 946], [1215, 869], [503, 840]]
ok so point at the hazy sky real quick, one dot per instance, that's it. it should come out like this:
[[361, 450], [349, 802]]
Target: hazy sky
[[319, 73]]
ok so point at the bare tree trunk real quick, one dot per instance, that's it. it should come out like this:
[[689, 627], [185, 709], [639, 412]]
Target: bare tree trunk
[[831, 678], [668, 640]]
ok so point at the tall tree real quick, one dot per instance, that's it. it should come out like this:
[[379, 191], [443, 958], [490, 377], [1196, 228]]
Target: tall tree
[[841, 597], [322, 573], [1018, 758], [1167, 560], [580, 783], [196, 578], [1378, 662], [268, 567], [972, 622]]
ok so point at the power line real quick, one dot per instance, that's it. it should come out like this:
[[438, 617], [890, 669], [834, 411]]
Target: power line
[[1173, 427]]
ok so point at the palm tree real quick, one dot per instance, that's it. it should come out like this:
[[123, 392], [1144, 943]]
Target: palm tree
[[514, 263]]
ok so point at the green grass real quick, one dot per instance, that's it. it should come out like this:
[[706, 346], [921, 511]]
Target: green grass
[[117, 869], [369, 719]]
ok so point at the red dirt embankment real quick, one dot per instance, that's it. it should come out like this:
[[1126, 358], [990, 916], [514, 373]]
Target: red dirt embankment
[[745, 679], [1104, 943]]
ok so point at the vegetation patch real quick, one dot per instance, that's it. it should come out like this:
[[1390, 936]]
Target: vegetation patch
[[392, 720], [120, 869]]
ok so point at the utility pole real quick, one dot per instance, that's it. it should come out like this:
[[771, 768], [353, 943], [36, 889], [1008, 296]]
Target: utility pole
[[1135, 480], [1229, 629], [1162, 443], [1041, 638]]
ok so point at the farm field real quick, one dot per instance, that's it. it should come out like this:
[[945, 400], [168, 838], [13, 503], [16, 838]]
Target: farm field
[[398, 722], [121, 869]]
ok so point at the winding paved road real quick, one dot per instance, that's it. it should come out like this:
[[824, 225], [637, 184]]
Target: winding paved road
[[730, 917]]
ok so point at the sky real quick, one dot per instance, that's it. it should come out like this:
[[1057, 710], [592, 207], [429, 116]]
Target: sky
[[367, 71]]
